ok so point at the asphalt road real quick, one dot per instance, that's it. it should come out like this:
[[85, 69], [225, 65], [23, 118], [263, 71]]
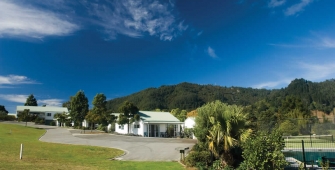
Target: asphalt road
[[136, 148]]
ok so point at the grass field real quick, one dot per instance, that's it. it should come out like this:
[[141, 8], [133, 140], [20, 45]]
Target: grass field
[[42, 155]]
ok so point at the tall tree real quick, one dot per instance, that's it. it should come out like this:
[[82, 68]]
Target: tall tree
[[67, 104], [129, 114], [79, 108], [3, 110], [99, 107], [93, 118], [31, 101]]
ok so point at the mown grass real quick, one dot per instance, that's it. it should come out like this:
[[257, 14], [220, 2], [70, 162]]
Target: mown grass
[[43, 155]]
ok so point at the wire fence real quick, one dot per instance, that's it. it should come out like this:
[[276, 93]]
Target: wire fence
[[309, 143]]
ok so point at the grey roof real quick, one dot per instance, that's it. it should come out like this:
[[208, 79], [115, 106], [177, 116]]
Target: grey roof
[[152, 116], [43, 109], [148, 116]]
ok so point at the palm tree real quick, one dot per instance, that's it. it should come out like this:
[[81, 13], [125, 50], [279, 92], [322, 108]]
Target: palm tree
[[229, 128]]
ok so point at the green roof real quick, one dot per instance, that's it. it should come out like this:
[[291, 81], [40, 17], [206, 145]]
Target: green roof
[[42, 109], [151, 116]]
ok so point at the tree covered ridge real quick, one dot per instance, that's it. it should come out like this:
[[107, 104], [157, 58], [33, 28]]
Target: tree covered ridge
[[188, 96]]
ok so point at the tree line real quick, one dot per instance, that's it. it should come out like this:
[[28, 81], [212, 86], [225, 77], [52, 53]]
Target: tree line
[[186, 96]]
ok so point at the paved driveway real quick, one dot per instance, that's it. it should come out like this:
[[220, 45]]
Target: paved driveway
[[136, 148]]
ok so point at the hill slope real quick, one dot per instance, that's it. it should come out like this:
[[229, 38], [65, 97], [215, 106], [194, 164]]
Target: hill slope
[[190, 96]]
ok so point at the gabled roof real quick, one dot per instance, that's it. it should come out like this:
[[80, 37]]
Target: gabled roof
[[156, 117], [148, 116], [43, 109]]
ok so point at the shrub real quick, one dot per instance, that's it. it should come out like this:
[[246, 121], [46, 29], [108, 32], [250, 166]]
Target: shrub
[[53, 123], [188, 133], [68, 123], [199, 159], [7, 117], [39, 121], [102, 127]]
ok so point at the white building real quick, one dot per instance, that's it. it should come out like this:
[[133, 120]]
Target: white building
[[151, 124], [190, 123], [47, 112]]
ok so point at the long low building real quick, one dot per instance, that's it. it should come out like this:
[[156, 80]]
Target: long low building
[[45, 112], [151, 124]]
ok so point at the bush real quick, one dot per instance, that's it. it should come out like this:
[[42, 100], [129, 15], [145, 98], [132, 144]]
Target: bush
[[7, 117], [40, 121], [102, 127], [188, 133], [53, 123], [68, 123], [199, 159]]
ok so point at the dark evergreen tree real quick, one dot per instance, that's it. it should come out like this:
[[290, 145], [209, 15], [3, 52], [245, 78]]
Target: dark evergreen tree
[[31, 101]]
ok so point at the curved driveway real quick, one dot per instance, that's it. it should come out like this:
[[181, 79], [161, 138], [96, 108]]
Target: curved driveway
[[136, 148]]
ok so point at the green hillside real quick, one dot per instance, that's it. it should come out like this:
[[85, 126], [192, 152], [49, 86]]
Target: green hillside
[[188, 96]]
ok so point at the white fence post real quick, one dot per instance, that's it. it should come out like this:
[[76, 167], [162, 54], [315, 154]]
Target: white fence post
[[21, 151]]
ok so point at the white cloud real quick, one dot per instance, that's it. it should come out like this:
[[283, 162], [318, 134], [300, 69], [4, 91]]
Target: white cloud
[[276, 3], [327, 42], [50, 102], [21, 98], [312, 72], [17, 20], [136, 18], [272, 84], [18, 98], [14, 80], [297, 7], [211, 52], [316, 72]]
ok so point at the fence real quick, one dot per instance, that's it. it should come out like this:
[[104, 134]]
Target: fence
[[310, 152], [308, 141]]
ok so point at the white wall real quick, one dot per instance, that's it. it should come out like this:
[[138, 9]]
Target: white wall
[[189, 123], [85, 123], [122, 131], [46, 117]]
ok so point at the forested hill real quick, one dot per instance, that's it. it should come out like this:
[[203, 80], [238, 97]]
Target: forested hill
[[189, 96]]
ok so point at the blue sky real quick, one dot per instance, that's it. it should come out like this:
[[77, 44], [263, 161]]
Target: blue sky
[[54, 48]]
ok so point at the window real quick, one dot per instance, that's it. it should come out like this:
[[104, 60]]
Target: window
[[121, 127], [136, 126], [48, 114]]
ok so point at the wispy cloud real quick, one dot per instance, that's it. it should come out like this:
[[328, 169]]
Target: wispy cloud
[[211, 52], [199, 33], [296, 8], [22, 98], [327, 42], [308, 71], [20, 20], [18, 98], [316, 72], [272, 84], [136, 18], [276, 3], [15, 80], [50, 102]]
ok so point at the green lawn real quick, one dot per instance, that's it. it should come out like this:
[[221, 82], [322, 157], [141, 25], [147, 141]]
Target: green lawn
[[42, 155]]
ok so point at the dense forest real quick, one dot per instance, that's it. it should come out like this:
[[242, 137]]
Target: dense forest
[[188, 96]]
